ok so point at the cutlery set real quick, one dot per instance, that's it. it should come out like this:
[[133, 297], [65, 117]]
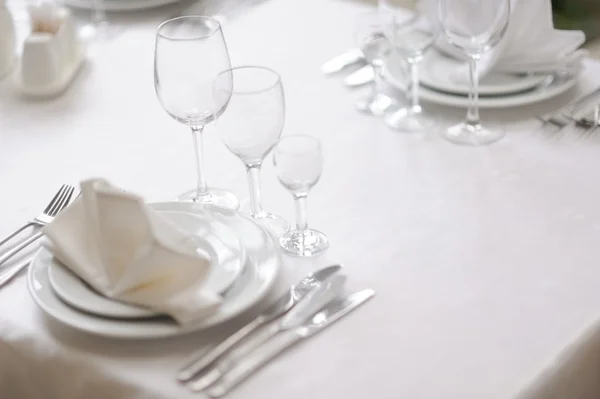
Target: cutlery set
[[306, 308], [60, 200], [568, 115], [351, 58]]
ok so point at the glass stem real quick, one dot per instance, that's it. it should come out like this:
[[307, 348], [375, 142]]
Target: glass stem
[[99, 15], [201, 189], [254, 185], [473, 112], [414, 88], [377, 79], [301, 216]]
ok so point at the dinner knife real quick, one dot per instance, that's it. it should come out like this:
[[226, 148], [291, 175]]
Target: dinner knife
[[200, 360], [342, 61], [301, 313], [361, 77], [333, 312]]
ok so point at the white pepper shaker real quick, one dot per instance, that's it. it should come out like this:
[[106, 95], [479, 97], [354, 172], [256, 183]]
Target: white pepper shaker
[[7, 40]]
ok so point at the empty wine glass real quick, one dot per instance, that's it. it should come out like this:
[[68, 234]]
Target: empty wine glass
[[370, 39], [190, 52], [409, 32], [475, 27], [251, 126], [298, 164]]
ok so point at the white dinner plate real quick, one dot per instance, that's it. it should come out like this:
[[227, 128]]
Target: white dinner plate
[[254, 283], [435, 71], [552, 86], [119, 5], [219, 242]]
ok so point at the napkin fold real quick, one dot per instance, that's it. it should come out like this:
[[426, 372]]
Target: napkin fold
[[127, 251], [530, 44]]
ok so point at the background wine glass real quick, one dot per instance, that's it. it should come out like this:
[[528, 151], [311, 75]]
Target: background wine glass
[[98, 26], [251, 126], [475, 27], [190, 52], [298, 164], [370, 39], [411, 35]]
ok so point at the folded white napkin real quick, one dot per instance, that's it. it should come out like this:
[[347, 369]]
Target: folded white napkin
[[531, 44], [129, 252]]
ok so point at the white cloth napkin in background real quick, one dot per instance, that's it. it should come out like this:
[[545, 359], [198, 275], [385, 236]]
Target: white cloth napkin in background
[[127, 251], [530, 44]]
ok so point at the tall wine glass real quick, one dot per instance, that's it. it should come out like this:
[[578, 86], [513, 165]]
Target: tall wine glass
[[475, 27], [251, 126], [298, 164], [370, 39], [409, 32], [190, 52]]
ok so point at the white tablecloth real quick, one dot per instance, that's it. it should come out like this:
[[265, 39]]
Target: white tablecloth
[[485, 260]]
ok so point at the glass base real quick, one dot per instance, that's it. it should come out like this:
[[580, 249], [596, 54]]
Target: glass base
[[377, 104], [303, 243], [276, 224], [472, 134], [100, 32], [215, 196], [406, 120]]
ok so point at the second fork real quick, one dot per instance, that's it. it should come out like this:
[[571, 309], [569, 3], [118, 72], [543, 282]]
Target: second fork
[[58, 203]]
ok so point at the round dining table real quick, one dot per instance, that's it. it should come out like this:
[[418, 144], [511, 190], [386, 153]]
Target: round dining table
[[485, 260]]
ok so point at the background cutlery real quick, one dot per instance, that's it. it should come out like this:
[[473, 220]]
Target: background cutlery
[[333, 312], [302, 312], [342, 61], [58, 203], [200, 360], [361, 77], [564, 115]]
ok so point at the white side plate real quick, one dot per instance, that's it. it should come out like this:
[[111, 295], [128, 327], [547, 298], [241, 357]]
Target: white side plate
[[220, 243], [435, 71], [551, 87]]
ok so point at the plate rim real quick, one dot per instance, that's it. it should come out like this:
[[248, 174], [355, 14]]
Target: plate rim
[[504, 101], [456, 89]]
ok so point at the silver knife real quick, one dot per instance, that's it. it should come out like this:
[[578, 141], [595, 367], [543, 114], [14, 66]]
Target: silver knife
[[302, 312], [342, 61], [361, 77], [333, 312], [14, 272], [201, 360]]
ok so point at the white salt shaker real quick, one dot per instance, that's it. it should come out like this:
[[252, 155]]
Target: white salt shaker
[[7, 40], [52, 53]]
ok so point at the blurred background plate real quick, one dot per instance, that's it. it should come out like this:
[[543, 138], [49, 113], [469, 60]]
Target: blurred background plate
[[120, 5]]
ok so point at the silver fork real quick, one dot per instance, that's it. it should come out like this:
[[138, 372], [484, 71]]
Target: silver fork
[[57, 204]]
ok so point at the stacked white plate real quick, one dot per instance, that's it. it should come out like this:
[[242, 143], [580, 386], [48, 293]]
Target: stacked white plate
[[119, 5], [245, 263], [496, 89]]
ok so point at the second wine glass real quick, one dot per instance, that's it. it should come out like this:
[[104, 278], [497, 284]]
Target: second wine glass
[[370, 39], [251, 125], [409, 32]]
